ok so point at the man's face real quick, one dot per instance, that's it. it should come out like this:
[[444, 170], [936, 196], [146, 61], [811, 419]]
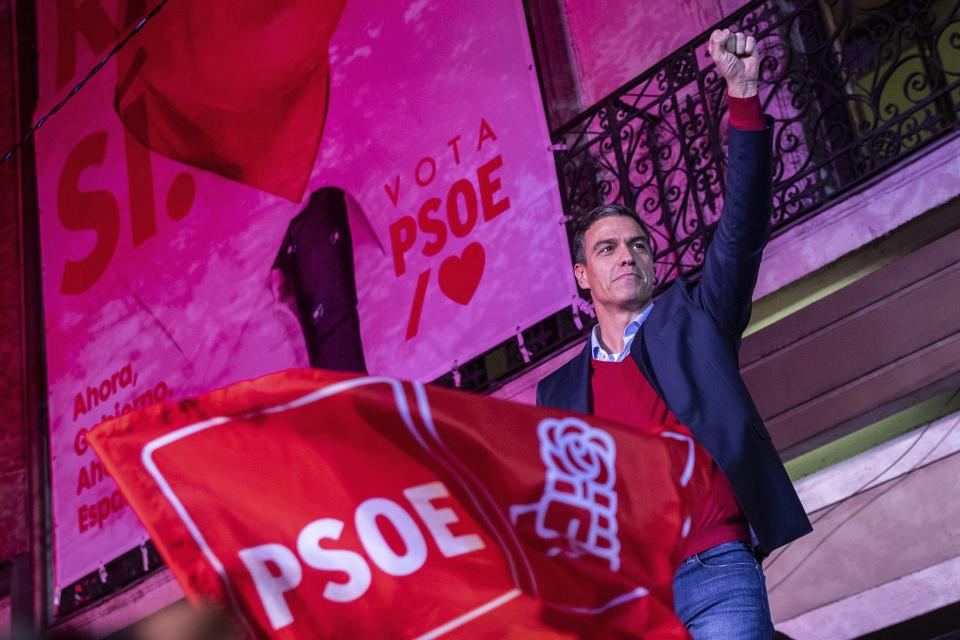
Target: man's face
[[619, 266]]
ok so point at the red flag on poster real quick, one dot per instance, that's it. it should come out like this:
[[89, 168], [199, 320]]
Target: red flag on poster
[[237, 88], [319, 504]]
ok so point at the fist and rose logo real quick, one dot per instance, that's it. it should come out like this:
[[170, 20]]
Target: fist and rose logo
[[578, 509]]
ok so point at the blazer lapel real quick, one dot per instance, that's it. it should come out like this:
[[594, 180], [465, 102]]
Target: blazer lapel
[[579, 381], [638, 352]]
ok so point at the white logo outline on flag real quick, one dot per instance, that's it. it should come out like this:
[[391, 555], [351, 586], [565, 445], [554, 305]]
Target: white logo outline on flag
[[580, 461]]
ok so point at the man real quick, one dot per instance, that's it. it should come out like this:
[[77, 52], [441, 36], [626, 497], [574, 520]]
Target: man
[[675, 362]]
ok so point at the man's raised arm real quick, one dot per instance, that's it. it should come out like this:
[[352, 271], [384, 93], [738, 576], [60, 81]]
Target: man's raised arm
[[733, 258]]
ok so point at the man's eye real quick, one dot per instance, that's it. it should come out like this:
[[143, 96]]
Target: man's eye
[[605, 250]]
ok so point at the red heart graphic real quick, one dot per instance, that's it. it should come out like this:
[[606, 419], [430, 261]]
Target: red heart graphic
[[460, 275]]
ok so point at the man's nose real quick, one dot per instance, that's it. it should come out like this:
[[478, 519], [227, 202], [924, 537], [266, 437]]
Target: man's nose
[[624, 256]]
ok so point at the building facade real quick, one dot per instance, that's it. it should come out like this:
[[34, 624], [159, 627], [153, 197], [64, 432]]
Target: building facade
[[853, 351]]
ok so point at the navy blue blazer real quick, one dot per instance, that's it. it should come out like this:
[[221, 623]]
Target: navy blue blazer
[[688, 350]]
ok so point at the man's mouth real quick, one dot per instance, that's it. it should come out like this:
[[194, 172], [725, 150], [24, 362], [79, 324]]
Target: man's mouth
[[639, 276]]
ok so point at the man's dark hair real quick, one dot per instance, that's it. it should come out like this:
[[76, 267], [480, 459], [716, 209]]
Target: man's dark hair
[[603, 211]]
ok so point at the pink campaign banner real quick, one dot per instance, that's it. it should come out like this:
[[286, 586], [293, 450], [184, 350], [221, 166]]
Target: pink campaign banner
[[161, 276]]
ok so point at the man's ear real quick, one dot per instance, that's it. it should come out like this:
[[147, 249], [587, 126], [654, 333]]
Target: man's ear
[[580, 273]]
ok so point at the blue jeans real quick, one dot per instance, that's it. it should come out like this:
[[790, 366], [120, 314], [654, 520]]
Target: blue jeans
[[721, 593]]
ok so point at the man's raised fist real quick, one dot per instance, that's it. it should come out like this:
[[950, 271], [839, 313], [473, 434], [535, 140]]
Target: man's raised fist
[[735, 55]]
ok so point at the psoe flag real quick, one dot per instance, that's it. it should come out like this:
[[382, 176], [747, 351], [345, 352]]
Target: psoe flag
[[326, 505]]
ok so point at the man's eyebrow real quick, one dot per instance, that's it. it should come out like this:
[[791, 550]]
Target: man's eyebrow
[[612, 241]]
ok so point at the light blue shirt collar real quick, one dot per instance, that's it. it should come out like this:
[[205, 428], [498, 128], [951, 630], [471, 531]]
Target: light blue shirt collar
[[629, 332]]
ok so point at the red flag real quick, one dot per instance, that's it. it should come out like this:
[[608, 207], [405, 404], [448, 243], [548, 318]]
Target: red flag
[[319, 504], [237, 88]]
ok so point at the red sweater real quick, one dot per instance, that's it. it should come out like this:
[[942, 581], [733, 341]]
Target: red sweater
[[621, 393], [746, 114]]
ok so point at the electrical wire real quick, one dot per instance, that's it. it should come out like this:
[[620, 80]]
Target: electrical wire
[[866, 485], [77, 87], [886, 489]]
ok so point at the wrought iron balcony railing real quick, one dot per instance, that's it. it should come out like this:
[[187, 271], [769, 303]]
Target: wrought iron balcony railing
[[854, 86]]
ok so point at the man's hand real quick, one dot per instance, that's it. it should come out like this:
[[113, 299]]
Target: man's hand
[[735, 55]]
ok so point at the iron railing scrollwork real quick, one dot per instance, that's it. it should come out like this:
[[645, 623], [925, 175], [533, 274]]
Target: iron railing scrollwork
[[853, 86]]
